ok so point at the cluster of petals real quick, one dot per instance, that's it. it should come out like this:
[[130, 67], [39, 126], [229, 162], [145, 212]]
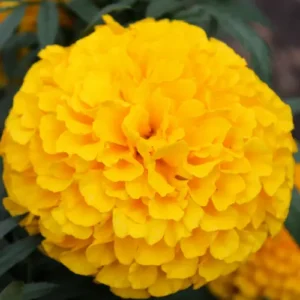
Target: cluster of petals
[[149, 157], [272, 273]]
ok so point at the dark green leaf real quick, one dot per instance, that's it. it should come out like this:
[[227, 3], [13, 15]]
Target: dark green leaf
[[292, 222], [86, 10], [12, 292], [16, 252], [158, 8], [294, 103], [8, 26], [37, 290], [248, 12], [48, 23], [9, 224]]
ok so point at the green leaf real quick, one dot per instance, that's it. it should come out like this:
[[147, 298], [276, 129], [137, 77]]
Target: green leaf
[[294, 103], [8, 26], [9, 224], [16, 252], [247, 11], [37, 290], [292, 223], [48, 23], [12, 292], [86, 10], [158, 8]]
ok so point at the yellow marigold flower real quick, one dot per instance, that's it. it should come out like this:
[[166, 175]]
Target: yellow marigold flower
[[29, 20], [272, 273], [151, 156]]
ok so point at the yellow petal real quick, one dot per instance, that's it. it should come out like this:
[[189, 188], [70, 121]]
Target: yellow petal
[[166, 208], [158, 182], [154, 255], [125, 250], [213, 220], [107, 125], [211, 268], [197, 244], [164, 286], [99, 254], [14, 208], [114, 275], [124, 170], [90, 186], [192, 216], [181, 268], [77, 262], [103, 232], [224, 244], [141, 277], [77, 210]]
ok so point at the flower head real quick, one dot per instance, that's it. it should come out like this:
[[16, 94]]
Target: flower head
[[150, 157], [272, 273]]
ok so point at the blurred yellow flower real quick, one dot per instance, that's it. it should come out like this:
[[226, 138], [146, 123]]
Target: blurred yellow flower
[[151, 156], [272, 273], [29, 20]]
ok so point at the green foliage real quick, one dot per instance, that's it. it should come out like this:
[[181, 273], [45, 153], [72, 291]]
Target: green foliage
[[48, 23]]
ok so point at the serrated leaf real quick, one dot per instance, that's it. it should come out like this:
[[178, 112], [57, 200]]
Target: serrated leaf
[[86, 10], [294, 103], [158, 8], [9, 224], [12, 292], [37, 290], [48, 23], [16, 252], [292, 223], [12, 21]]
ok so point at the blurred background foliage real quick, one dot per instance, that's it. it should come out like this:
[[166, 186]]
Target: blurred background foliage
[[26, 26]]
